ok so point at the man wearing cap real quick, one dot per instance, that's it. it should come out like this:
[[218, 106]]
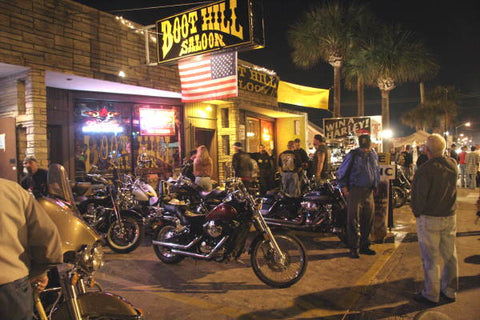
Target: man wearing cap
[[242, 164], [36, 179], [358, 176]]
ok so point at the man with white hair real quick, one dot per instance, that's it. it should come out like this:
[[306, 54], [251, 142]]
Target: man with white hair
[[434, 195]]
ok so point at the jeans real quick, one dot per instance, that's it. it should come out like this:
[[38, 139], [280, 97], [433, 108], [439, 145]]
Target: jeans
[[291, 184], [360, 211], [204, 182], [472, 180], [16, 300], [436, 238], [463, 175]]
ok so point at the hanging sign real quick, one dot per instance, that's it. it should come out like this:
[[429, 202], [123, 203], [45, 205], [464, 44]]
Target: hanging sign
[[218, 25], [339, 128], [254, 79]]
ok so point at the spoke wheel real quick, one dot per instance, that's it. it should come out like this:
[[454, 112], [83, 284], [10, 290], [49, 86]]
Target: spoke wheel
[[399, 197], [270, 268], [164, 253], [125, 237]]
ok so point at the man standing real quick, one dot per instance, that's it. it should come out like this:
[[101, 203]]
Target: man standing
[[434, 195], [29, 244], [472, 160], [289, 166], [321, 159], [407, 162], [265, 164], [36, 179], [242, 164], [358, 176], [462, 157]]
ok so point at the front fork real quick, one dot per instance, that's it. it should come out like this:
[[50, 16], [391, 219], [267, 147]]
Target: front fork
[[267, 234]]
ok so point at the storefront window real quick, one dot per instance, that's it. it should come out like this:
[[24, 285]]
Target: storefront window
[[135, 138]]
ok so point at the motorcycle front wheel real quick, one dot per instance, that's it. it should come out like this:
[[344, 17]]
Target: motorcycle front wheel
[[399, 197], [125, 237], [267, 265], [164, 253]]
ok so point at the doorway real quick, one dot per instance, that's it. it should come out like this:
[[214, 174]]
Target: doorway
[[207, 137], [55, 144]]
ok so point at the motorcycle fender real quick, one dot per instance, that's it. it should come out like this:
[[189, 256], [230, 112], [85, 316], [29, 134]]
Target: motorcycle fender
[[101, 304], [132, 213]]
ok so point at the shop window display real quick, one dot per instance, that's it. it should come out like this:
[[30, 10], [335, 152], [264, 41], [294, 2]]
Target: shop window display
[[136, 138]]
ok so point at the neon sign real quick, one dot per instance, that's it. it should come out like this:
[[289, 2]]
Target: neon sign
[[101, 127], [157, 122]]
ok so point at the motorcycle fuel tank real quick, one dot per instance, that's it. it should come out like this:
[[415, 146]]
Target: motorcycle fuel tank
[[222, 212]]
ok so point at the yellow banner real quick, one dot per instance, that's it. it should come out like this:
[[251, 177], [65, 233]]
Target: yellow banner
[[302, 96]]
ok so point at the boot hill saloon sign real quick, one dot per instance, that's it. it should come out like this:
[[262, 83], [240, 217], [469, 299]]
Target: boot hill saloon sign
[[219, 25]]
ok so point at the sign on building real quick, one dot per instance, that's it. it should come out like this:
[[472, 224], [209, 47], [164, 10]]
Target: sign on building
[[218, 25], [256, 80], [340, 128]]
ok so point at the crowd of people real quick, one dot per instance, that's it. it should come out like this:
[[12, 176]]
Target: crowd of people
[[468, 162]]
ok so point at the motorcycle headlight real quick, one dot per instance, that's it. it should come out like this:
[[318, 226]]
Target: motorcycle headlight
[[92, 258]]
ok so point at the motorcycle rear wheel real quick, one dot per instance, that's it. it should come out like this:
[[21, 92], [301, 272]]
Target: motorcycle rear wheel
[[134, 232], [164, 254], [265, 262]]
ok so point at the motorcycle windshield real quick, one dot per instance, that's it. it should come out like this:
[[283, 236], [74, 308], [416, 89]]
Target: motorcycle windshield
[[58, 183]]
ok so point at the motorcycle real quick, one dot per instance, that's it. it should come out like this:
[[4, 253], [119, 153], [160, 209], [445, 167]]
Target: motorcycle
[[321, 209], [72, 292], [277, 258], [401, 189], [109, 211], [184, 191]]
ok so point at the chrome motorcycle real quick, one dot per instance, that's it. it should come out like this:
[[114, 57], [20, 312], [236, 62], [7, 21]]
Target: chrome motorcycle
[[321, 209], [401, 189], [108, 210], [72, 292], [277, 258]]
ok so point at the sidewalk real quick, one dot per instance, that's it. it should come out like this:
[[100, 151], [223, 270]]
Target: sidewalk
[[390, 294]]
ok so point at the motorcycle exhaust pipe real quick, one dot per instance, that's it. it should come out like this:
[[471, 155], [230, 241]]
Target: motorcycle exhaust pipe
[[202, 256], [282, 222], [290, 225], [176, 245]]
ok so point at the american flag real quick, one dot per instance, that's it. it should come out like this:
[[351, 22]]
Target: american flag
[[208, 76]]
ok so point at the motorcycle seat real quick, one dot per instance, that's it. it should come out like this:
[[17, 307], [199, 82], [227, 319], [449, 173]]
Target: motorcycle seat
[[81, 188], [215, 193], [318, 198]]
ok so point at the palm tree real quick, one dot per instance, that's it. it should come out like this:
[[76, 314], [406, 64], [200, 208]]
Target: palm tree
[[395, 56], [326, 33]]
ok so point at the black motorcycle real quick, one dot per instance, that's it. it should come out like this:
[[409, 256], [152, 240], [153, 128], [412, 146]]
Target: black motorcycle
[[401, 189], [277, 258], [108, 210], [183, 191], [321, 209]]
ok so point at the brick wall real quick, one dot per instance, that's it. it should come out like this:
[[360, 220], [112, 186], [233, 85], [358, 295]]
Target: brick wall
[[69, 37]]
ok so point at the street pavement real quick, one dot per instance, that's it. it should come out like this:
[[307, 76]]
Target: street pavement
[[334, 286]]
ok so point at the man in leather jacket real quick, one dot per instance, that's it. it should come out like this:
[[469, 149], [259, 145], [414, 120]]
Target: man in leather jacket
[[359, 176]]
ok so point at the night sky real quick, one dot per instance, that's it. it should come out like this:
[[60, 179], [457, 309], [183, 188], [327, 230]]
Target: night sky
[[450, 29]]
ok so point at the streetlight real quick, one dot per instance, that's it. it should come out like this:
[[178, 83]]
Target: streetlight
[[466, 124]]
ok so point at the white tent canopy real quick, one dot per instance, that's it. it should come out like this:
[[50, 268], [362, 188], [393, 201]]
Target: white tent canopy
[[415, 138]]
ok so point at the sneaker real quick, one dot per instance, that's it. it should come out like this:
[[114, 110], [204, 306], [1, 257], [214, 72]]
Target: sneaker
[[418, 297], [446, 298], [354, 254], [368, 251]]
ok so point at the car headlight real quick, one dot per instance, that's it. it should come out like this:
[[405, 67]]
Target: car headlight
[[92, 258]]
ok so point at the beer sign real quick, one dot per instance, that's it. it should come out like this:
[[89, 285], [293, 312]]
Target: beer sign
[[218, 25]]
